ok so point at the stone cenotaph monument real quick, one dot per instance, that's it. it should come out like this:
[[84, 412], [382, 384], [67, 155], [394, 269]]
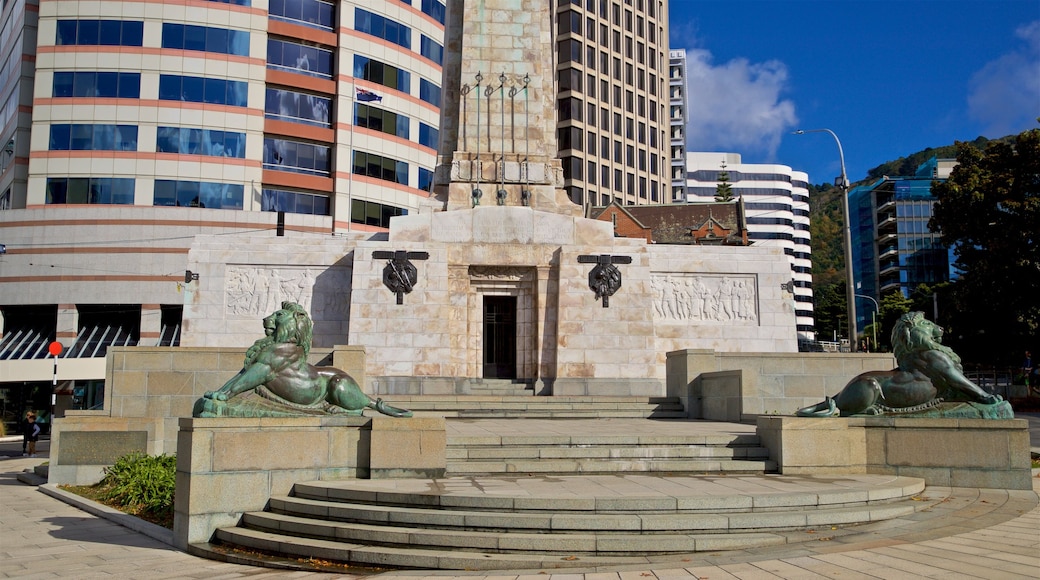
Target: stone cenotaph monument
[[499, 276]]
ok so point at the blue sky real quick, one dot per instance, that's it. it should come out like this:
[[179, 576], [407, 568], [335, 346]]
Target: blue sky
[[888, 77]]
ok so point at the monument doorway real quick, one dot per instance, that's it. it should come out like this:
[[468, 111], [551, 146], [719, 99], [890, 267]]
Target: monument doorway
[[500, 337]]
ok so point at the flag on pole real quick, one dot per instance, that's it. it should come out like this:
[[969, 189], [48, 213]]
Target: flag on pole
[[367, 96]]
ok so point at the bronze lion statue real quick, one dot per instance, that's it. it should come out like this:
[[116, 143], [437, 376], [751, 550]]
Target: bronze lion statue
[[929, 374], [281, 381]]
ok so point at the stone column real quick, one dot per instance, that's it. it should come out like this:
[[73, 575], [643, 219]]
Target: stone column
[[68, 324], [151, 324], [498, 127]]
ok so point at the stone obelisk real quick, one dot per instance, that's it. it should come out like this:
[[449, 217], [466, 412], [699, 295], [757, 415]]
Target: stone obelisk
[[498, 122]]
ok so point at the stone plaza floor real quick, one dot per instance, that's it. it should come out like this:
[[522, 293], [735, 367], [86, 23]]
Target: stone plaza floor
[[985, 534]]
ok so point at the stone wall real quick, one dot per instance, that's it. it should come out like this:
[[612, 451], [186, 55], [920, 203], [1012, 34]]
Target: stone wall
[[226, 467], [725, 386], [149, 389], [947, 452]]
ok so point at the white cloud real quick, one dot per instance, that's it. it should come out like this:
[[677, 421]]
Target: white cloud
[[1004, 95], [736, 106]]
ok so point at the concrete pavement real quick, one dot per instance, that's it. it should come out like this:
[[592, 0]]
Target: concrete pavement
[[984, 534]]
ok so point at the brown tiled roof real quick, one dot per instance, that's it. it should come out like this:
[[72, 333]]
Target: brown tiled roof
[[672, 223]]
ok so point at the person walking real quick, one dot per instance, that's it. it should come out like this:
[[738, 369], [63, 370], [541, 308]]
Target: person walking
[[30, 434]]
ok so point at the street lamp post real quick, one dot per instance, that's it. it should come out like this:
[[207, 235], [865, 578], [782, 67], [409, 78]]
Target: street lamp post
[[877, 310], [849, 286]]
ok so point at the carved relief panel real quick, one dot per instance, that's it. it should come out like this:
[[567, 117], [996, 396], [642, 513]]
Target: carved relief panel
[[726, 299], [255, 291]]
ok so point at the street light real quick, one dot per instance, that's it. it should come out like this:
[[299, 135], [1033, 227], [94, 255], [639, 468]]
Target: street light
[[843, 183], [877, 310]]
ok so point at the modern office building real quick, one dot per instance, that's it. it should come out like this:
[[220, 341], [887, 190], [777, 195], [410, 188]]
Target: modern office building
[[133, 126], [776, 200], [678, 105], [613, 100], [892, 248]]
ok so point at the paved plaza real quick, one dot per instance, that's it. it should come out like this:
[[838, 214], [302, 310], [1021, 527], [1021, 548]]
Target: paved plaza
[[971, 533]]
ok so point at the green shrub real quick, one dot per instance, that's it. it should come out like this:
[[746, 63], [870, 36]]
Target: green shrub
[[141, 483]]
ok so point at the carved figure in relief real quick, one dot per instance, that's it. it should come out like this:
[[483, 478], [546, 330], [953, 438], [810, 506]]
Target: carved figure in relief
[[928, 375], [277, 381], [700, 298], [725, 296]]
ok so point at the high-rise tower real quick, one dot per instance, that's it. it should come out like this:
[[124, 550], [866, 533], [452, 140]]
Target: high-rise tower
[[612, 75]]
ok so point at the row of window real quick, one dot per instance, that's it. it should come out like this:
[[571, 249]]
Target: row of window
[[122, 85], [316, 13], [294, 202], [622, 181], [175, 193], [100, 32], [372, 213], [296, 107], [103, 137], [394, 78], [203, 90], [392, 31], [120, 190], [300, 58], [205, 38], [68, 137], [297, 156]]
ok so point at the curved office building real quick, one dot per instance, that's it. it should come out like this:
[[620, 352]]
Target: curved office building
[[135, 125], [776, 199]]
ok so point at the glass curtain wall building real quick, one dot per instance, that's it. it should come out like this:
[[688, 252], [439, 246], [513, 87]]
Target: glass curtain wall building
[[892, 248], [776, 201]]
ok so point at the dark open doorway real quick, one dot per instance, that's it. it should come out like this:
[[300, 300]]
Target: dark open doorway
[[499, 337]]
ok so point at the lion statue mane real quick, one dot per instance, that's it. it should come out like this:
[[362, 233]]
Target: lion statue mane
[[276, 379], [928, 375]]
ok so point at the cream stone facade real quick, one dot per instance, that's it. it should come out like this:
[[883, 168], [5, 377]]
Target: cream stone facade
[[565, 341]]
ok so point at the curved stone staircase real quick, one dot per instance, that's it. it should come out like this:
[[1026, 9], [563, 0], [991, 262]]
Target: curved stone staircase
[[559, 521]]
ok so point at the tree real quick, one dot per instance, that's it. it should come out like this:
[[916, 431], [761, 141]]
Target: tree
[[989, 212], [724, 190], [830, 311], [893, 305]]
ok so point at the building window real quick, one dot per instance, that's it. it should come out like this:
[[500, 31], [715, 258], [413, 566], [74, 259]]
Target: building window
[[381, 73], [93, 137], [211, 142], [293, 57], [379, 167], [294, 202], [203, 90], [234, 2], [205, 38], [377, 119], [382, 27], [372, 213], [425, 179], [429, 48], [434, 9], [429, 92], [169, 192], [121, 85], [295, 107], [428, 136], [315, 13], [296, 156], [100, 32], [90, 190]]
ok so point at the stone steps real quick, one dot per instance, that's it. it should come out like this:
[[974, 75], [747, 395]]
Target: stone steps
[[492, 403], [374, 523], [601, 454]]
